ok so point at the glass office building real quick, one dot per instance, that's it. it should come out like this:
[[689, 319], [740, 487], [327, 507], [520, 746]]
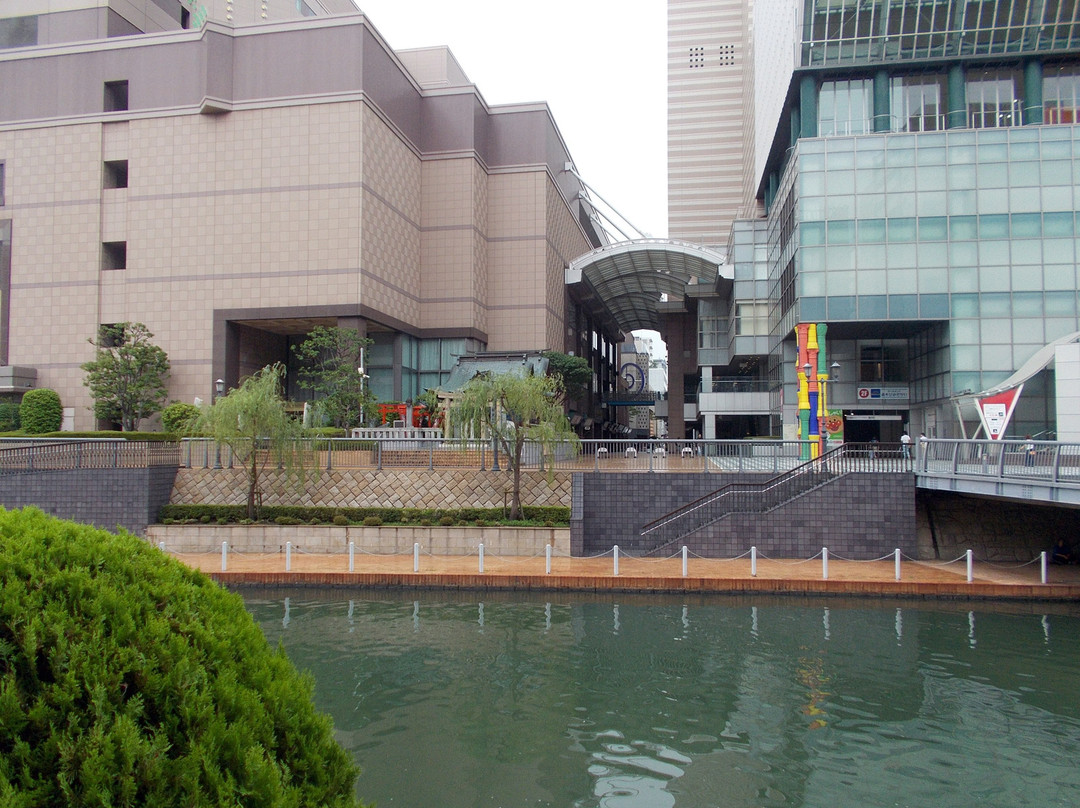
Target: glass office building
[[920, 186]]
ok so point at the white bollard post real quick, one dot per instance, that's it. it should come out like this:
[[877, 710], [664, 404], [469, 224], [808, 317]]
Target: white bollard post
[[352, 556], [547, 565], [970, 571], [824, 563], [1042, 565], [416, 557], [897, 563], [288, 556], [224, 556], [481, 557], [161, 546], [753, 562], [684, 561], [615, 555]]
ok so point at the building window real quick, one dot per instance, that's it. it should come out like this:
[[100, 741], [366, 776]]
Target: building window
[[116, 96], [115, 174], [992, 102], [883, 362], [1, 183], [916, 105], [751, 319], [711, 332], [19, 32], [697, 57], [114, 255], [845, 107], [1061, 98]]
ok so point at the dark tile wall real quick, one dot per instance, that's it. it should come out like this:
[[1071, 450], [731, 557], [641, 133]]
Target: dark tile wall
[[107, 498], [856, 516]]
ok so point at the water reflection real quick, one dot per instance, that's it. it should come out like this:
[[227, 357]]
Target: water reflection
[[637, 702]]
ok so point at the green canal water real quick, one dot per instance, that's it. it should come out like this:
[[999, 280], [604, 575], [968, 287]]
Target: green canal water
[[454, 700]]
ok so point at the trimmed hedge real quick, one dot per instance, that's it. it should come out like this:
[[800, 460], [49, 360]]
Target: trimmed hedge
[[128, 679], [40, 411], [311, 515]]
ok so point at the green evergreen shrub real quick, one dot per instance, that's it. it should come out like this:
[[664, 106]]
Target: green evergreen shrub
[[372, 521], [127, 679], [340, 519], [179, 418], [40, 411], [9, 416]]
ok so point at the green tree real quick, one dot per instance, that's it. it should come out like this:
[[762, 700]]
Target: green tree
[[574, 372], [330, 366], [129, 679], [179, 418], [40, 411], [129, 376], [253, 422], [514, 410]]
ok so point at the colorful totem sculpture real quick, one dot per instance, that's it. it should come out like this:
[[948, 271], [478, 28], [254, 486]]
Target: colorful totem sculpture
[[813, 408]]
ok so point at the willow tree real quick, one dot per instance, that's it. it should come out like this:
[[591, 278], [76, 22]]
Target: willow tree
[[252, 421], [514, 410]]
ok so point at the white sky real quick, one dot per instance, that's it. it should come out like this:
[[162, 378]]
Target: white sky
[[601, 65]]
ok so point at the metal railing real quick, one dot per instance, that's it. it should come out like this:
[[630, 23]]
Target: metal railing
[[604, 455], [21, 455], [1015, 460], [746, 497]]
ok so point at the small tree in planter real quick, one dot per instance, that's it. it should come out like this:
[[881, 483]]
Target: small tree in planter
[[513, 410], [252, 421]]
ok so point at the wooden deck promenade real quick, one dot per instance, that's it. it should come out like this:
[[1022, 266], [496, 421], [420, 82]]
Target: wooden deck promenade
[[918, 579]]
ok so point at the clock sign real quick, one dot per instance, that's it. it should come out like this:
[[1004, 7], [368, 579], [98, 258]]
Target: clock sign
[[634, 377]]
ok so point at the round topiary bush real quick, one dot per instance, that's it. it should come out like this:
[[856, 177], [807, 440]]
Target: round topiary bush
[[40, 411], [179, 417], [129, 679]]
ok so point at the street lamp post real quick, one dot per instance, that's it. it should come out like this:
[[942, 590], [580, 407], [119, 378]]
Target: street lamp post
[[219, 391]]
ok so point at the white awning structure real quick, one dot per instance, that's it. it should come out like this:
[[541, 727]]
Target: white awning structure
[[631, 278], [1039, 361]]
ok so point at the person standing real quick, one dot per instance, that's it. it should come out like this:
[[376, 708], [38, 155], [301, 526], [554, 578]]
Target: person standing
[[905, 445]]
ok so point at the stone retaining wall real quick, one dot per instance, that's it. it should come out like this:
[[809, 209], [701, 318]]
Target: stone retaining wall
[[508, 541], [368, 488]]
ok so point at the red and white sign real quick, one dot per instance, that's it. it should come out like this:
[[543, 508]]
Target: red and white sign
[[996, 410]]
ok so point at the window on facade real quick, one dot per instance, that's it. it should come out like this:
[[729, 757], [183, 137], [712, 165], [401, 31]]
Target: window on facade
[[992, 102], [883, 362], [116, 96], [916, 105], [115, 174], [711, 332], [845, 107], [1061, 97], [19, 32], [114, 255], [1, 183], [751, 319]]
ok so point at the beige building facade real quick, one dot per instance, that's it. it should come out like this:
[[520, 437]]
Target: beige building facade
[[233, 186]]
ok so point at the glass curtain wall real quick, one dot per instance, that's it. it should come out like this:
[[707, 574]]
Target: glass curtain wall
[[865, 31]]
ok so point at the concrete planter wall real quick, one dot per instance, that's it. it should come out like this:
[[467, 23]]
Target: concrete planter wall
[[509, 541]]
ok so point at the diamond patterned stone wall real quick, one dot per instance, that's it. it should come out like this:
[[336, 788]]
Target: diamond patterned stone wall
[[358, 488]]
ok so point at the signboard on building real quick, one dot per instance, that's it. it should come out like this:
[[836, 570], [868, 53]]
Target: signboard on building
[[871, 394], [996, 410]]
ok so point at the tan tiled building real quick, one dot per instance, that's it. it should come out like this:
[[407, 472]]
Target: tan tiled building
[[231, 187]]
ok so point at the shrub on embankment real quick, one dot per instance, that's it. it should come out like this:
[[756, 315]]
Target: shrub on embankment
[[313, 515], [128, 679]]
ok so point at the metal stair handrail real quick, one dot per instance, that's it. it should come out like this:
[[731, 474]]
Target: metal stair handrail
[[744, 497]]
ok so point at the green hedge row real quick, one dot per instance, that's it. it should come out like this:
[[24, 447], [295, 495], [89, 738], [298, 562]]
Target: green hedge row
[[300, 515], [127, 679]]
